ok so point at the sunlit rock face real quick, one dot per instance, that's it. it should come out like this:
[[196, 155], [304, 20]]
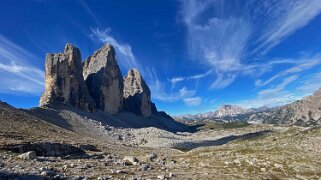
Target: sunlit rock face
[[305, 112], [95, 84], [104, 80], [64, 83], [137, 96]]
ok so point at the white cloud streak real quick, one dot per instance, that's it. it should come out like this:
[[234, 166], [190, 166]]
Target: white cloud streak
[[90, 12], [124, 52], [299, 65], [192, 101], [273, 96], [17, 74], [280, 87], [286, 17], [158, 90], [175, 80], [277, 92], [221, 33], [223, 81]]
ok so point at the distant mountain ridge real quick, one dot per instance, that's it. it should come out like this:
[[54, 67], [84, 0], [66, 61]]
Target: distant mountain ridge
[[305, 112], [224, 113]]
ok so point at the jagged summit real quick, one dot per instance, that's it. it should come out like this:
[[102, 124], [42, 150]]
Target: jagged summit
[[135, 83], [230, 110], [104, 80], [64, 81], [137, 95], [305, 112], [226, 111], [105, 49], [95, 84], [70, 47]]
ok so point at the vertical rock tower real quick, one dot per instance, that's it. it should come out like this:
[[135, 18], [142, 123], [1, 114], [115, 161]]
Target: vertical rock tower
[[137, 96], [104, 79], [64, 80], [96, 84]]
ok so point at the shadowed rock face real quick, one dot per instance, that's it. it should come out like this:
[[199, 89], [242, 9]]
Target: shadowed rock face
[[45, 149], [137, 96], [64, 80], [104, 79], [154, 108]]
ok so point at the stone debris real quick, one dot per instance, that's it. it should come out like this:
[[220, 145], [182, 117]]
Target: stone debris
[[130, 160], [152, 157], [28, 155]]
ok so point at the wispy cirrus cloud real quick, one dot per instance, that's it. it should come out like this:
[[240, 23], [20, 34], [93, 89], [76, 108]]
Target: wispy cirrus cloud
[[194, 101], [126, 57], [274, 92], [273, 96], [223, 33], [158, 89], [278, 94], [297, 66], [90, 12], [286, 17], [17, 74], [223, 80], [175, 80], [280, 87]]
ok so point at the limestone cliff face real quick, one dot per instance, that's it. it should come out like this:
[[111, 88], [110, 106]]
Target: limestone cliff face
[[104, 79], [137, 96], [64, 81]]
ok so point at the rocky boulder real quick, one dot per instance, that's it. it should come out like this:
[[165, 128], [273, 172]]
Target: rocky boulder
[[104, 79], [28, 155], [131, 160], [64, 81], [137, 96]]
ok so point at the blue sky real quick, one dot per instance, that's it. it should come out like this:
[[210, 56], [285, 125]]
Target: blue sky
[[194, 54]]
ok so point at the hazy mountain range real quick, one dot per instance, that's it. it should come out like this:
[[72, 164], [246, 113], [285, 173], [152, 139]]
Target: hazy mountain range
[[305, 112], [224, 113]]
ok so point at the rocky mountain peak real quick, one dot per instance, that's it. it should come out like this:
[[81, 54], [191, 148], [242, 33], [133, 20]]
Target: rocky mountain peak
[[305, 112], [104, 79], [70, 48], [64, 83], [95, 84], [137, 95], [225, 112], [134, 83], [106, 49], [230, 110]]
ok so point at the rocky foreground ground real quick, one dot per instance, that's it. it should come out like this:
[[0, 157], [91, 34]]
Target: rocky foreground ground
[[35, 149]]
